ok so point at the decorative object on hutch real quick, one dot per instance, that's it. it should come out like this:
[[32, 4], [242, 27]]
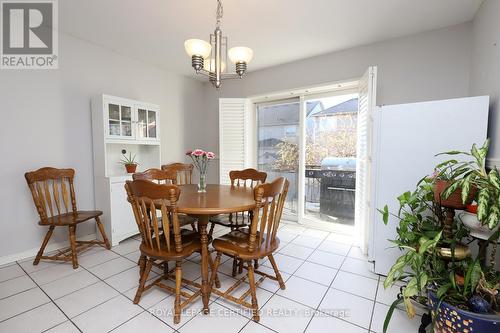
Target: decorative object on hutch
[[210, 59], [257, 242], [129, 162], [121, 126], [54, 197]]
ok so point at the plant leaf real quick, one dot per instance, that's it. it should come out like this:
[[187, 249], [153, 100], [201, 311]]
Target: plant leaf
[[443, 289], [465, 189], [482, 204], [475, 275], [390, 312], [452, 279], [411, 288], [452, 152], [385, 214], [450, 189], [410, 310], [429, 243], [494, 179], [493, 217]]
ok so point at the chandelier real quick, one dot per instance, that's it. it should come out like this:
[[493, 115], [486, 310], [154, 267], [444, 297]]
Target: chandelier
[[210, 59]]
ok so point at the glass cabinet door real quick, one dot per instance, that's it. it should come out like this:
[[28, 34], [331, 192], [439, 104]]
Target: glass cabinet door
[[152, 124], [146, 123], [119, 120], [126, 121], [114, 119], [142, 121]]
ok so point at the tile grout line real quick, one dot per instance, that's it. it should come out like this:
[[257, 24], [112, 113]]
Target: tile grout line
[[51, 300], [99, 280], [293, 274], [19, 292], [374, 303], [12, 278], [337, 254], [119, 294], [273, 294], [147, 310], [326, 292]]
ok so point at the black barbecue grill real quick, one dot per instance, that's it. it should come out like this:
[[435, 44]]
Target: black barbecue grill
[[338, 187]]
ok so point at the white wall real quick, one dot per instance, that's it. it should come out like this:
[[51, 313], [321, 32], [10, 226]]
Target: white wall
[[46, 122], [426, 66], [485, 74]]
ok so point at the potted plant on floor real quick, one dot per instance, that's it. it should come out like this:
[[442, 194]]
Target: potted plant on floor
[[435, 267], [129, 162]]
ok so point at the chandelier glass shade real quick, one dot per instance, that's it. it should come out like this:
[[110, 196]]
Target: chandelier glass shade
[[210, 58]]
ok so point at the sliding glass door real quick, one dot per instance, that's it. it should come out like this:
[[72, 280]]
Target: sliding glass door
[[330, 159], [278, 126], [312, 142]]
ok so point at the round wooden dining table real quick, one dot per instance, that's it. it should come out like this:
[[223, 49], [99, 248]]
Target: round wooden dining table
[[218, 199]]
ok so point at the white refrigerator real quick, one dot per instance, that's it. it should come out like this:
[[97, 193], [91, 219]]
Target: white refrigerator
[[406, 139]]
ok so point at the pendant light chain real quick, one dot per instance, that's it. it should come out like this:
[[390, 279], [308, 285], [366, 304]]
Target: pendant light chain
[[219, 13]]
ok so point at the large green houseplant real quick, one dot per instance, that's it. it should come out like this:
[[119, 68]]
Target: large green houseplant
[[471, 175], [433, 263]]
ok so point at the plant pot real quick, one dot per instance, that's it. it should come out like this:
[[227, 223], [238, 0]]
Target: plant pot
[[449, 318], [460, 252], [131, 168], [476, 228], [455, 199]]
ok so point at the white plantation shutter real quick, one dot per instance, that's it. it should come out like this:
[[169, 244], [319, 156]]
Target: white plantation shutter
[[233, 132], [367, 102]]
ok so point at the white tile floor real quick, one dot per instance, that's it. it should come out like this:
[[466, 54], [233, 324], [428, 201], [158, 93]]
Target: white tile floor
[[329, 289]]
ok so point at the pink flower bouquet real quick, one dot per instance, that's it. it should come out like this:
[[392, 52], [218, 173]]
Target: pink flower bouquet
[[201, 159]]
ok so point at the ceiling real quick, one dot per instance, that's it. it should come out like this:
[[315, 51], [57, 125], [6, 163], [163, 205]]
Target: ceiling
[[278, 31]]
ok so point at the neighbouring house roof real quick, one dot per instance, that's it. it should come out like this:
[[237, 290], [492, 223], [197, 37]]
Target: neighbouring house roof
[[285, 114], [349, 106], [271, 142]]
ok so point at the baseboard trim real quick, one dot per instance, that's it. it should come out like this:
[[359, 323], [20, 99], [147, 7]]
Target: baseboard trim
[[32, 252]]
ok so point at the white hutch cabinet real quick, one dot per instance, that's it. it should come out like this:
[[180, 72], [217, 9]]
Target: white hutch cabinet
[[120, 124]]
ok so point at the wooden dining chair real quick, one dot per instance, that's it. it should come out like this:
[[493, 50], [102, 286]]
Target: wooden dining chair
[[155, 209], [53, 193], [184, 172], [239, 178], [257, 242], [168, 177]]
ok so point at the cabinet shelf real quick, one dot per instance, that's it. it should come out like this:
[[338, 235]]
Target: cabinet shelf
[[127, 119]]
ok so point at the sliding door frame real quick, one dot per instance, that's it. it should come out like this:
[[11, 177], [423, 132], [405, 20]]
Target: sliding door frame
[[303, 96]]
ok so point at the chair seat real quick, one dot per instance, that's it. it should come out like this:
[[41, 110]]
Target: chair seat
[[71, 218], [235, 243], [232, 220], [190, 243]]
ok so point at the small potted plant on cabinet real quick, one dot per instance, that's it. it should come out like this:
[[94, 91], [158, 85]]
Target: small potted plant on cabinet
[[129, 162]]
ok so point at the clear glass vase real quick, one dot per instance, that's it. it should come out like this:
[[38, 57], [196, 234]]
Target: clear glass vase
[[202, 184]]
